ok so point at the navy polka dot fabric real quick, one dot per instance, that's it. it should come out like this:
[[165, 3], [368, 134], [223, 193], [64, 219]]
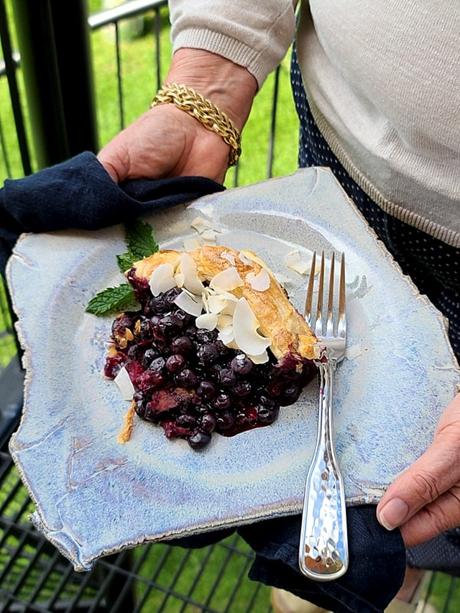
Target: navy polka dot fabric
[[433, 265]]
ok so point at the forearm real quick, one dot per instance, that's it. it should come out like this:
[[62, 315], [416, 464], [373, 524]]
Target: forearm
[[229, 86], [254, 35]]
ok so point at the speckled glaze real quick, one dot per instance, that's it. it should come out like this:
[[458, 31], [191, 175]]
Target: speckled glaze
[[94, 496]]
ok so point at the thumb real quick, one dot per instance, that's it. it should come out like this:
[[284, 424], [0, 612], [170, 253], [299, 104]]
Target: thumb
[[435, 472], [115, 162]]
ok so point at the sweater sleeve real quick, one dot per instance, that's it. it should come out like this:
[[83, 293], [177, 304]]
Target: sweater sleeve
[[254, 34]]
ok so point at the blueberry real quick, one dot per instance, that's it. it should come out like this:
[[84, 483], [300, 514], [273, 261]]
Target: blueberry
[[207, 390], [205, 336], [157, 304], [227, 377], [146, 329], [199, 439], [222, 402], [175, 363], [186, 378], [290, 394], [183, 317], [135, 352], [242, 389], [182, 344], [140, 408], [120, 324], [191, 331], [207, 423], [157, 364], [266, 415], [225, 421], [241, 365], [186, 421], [169, 325], [208, 354], [221, 348], [170, 296], [149, 356], [266, 400]]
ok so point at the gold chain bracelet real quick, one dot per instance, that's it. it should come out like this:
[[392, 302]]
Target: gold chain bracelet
[[191, 102]]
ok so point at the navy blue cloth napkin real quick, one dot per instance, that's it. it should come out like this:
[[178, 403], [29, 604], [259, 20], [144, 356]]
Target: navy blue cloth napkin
[[80, 194]]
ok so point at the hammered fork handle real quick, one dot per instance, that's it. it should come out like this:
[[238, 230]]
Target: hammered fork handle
[[323, 552]]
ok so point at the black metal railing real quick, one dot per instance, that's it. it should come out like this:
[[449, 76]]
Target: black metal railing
[[8, 70], [111, 19]]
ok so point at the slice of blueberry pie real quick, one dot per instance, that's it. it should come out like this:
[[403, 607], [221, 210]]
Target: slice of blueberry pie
[[215, 347]]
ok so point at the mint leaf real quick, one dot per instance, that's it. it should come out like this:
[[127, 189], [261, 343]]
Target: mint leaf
[[126, 261], [113, 299], [140, 240]]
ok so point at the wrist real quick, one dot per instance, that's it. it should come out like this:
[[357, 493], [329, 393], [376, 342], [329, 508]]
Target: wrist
[[230, 87]]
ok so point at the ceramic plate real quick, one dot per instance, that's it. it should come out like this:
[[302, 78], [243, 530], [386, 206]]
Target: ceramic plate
[[94, 496]]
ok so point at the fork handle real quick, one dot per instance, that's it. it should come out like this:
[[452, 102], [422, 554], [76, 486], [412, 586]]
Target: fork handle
[[323, 551]]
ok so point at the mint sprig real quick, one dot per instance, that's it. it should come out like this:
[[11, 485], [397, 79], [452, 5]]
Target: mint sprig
[[113, 299], [126, 261], [141, 243], [140, 240]]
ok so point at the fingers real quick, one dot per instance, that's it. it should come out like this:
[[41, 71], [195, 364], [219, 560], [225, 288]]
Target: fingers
[[433, 474], [435, 518]]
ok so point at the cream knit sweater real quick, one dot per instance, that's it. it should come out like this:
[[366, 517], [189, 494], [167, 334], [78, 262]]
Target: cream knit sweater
[[383, 82]]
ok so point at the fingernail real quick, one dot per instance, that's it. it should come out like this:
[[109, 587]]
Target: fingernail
[[393, 513]]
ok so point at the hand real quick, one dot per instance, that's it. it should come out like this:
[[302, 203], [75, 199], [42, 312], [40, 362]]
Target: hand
[[167, 142], [425, 500]]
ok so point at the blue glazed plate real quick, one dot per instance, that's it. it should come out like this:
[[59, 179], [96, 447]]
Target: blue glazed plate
[[94, 496]]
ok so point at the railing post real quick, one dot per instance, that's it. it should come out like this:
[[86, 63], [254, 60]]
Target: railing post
[[55, 57]]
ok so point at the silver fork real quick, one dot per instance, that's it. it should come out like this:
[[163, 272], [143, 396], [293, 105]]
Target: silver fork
[[323, 551]]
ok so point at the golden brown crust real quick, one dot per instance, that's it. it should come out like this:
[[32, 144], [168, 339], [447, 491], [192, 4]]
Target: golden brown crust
[[278, 319], [128, 424]]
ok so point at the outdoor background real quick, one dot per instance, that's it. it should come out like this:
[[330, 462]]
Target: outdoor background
[[138, 84]]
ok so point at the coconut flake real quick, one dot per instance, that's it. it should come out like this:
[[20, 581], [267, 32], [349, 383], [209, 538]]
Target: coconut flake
[[179, 278], [200, 224], [162, 279], [207, 321], [226, 336], [191, 279], [226, 280], [295, 262], [229, 257], [262, 358], [224, 321], [191, 305], [260, 281], [209, 235], [244, 258], [216, 303], [245, 326], [124, 384], [190, 244]]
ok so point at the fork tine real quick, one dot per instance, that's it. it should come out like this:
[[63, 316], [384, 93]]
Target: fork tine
[[319, 310], [330, 303], [341, 331], [309, 298]]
